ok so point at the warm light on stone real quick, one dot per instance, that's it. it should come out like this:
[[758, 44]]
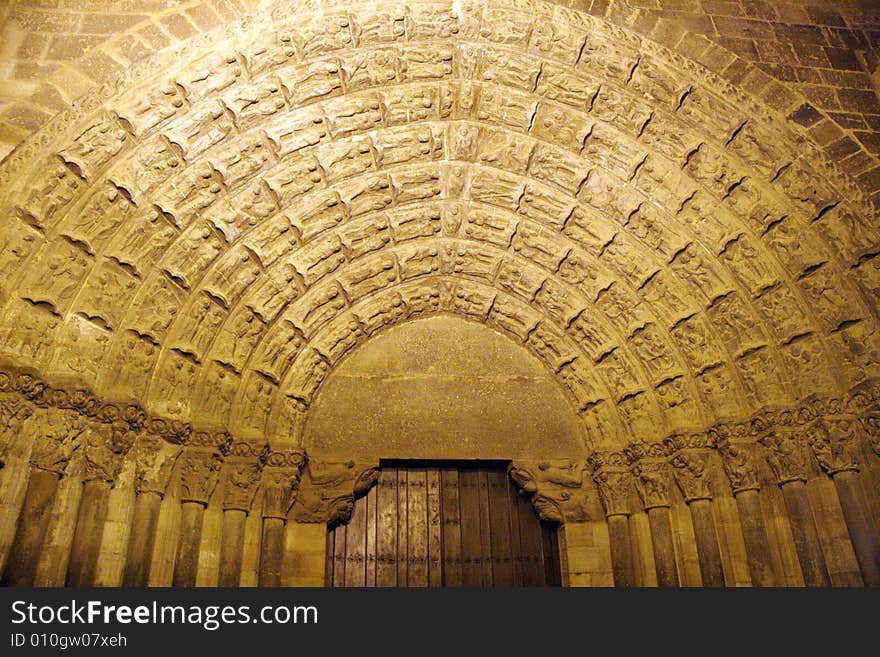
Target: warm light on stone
[[249, 249]]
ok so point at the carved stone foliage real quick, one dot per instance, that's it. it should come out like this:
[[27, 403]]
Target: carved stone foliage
[[615, 488], [835, 444], [281, 480], [198, 471], [692, 474]]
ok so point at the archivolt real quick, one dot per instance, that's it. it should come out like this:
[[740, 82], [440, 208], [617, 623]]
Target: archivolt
[[211, 242]]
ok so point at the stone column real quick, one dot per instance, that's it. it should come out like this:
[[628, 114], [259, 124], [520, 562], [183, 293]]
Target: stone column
[[652, 484], [154, 460], [281, 478], [834, 443], [614, 485], [199, 470], [57, 434], [787, 460], [101, 461], [692, 477], [744, 483], [240, 478]]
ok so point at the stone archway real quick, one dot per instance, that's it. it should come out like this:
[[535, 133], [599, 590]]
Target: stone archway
[[204, 239]]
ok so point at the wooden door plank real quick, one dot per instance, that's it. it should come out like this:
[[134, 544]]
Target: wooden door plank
[[516, 554], [435, 553], [402, 529], [530, 543], [450, 512], [499, 529], [386, 528], [329, 559], [417, 526], [339, 556], [471, 544], [485, 529], [356, 546], [370, 501]]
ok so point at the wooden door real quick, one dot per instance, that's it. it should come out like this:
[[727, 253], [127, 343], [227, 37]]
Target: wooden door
[[443, 525]]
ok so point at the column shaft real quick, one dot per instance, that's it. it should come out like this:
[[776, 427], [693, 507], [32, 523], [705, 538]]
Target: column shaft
[[271, 552], [862, 533], [622, 559], [231, 547], [142, 539], [30, 531], [86, 544], [664, 547], [708, 551], [806, 537], [755, 535], [186, 563]]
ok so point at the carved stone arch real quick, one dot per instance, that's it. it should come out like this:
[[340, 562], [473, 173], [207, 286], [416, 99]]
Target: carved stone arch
[[162, 171]]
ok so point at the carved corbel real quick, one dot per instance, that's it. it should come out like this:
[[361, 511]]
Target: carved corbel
[[329, 490], [554, 487]]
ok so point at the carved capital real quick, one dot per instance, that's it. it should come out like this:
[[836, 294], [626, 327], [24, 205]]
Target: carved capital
[[14, 412], [692, 475], [280, 487], [615, 486], [199, 470], [104, 450], [154, 460], [737, 461], [834, 444], [57, 436], [871, 426], [652, 482], [240, 483], [785, 455]]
